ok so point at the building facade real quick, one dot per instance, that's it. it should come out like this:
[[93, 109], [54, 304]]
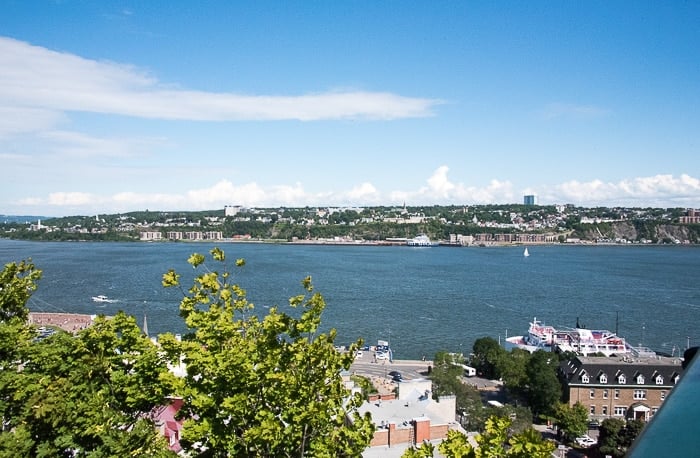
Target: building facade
[[620, 387]]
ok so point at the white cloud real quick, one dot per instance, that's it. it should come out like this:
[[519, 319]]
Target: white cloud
[[362, 193], [37, 78], [657, 190], [441, 189], [439, 184], [654, 191]]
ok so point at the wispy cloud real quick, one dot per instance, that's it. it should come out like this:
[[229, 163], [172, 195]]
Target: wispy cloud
[[50, 82], [573, 111]]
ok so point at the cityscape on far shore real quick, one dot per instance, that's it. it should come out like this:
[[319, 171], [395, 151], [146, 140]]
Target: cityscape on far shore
[[468, 225]]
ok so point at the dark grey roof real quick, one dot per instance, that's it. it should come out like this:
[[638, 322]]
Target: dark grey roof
[[630, 367]]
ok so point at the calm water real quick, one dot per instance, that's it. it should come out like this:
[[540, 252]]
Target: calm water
[[420, 299]]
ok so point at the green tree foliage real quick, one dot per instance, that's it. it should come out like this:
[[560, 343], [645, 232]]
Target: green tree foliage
[[632, 429], [543, 390], [610, 437], [261, 386], [572, 421], [511, 367], [616, 435], [447, 378], [445, 375], [17, 283], [89, 395], [487, 356], [495, 442]]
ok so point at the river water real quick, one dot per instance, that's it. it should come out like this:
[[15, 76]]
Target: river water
[[422, 300]]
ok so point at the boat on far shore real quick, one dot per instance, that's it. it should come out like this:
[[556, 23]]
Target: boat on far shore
[[421, 240]]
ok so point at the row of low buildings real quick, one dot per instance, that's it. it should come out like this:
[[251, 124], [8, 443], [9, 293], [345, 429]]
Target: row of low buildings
[[155, 236]]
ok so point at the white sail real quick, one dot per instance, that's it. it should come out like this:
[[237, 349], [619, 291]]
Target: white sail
[[526, 253]]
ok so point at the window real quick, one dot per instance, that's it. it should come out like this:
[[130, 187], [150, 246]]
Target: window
[[659, 380], [605, 410], [617, 394], [662, 395], [640, 394], [654, 410], [621, 379], [620, 411], [640, 379], [603, 378], [592, 393], [592, 410], [605, 394], [584, 378], [675, 379]]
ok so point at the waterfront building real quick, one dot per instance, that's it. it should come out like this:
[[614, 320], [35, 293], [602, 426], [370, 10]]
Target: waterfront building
[[151, 236], [628, 387]]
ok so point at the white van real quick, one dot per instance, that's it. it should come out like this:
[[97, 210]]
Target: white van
[[468, 371]]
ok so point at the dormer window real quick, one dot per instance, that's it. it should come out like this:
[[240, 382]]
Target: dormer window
[[640, 379], [603, 378], [659, 380], [621, 379], [584, 378]]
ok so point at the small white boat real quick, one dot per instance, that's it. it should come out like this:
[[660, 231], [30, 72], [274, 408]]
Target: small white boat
[[103, 298], [526, 253]]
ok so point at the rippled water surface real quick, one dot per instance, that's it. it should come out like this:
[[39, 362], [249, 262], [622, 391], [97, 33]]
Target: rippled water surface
[[420, 299]]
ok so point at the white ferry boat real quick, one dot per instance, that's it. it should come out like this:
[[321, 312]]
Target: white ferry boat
[[421, 240], [577, 340]]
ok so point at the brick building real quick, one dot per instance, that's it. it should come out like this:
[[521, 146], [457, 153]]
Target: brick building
[[411, 418], [628, 387]]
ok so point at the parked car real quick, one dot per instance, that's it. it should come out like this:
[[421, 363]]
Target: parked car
[[585, 441], [382, 355]]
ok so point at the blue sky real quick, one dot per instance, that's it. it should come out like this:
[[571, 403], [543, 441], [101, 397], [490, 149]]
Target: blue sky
[[108, 107]]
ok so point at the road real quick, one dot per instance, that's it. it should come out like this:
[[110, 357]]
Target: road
[[410, 369]]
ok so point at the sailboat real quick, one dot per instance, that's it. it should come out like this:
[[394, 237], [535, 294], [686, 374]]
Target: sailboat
[[526, 253]]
